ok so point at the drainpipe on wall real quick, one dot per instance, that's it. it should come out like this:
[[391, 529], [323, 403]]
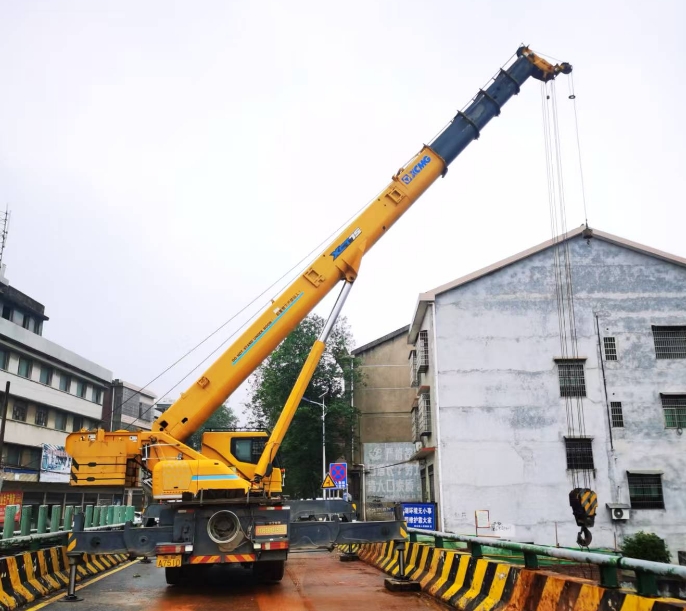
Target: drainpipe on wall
[[438, 460]]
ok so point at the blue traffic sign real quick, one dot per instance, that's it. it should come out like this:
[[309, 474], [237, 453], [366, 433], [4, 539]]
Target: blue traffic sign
[[339, 474]]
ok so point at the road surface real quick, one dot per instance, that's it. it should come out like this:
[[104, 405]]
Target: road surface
[[313, 582]]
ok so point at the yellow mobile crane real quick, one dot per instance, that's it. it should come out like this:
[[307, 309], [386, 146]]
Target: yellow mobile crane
[[224, 504]]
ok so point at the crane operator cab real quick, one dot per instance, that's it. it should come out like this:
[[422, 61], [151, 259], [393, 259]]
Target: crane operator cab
[[242, 449]]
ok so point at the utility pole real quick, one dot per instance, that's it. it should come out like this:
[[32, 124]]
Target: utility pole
[[323, 406], [4, 230]]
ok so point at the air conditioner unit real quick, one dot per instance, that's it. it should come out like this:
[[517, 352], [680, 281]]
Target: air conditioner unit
[[418, 445], [618, 511]]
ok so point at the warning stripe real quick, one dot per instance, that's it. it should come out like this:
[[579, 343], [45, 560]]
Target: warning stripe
[[205, 559], [239, 558]]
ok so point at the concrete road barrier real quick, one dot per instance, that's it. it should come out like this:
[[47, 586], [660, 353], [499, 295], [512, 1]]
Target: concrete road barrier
[[31, 575], [475, 584]]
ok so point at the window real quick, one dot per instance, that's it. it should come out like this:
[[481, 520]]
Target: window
[[432, 493], [414, 371], [4, 358], [60, 421], [46, 375], [81, 387], [422, 477], [674, 407], [645, 491], [424, 414], [65, 382], [77, 423], [97, 395], [25, 367], [571, 374], [616, 414], [18, 317], [670, 342], [423, 352], [13, 456], [579, 453], [41, 416], [19, 410], [7, 312], [610, 346], [27, 321]]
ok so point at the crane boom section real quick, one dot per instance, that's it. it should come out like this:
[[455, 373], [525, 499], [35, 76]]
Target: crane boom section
[[341, 258]]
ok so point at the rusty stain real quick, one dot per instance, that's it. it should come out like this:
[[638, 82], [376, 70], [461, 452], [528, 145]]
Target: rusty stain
[[312, 582]]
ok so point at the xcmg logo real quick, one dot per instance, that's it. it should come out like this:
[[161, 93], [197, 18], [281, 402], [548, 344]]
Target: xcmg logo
[[407, 178]]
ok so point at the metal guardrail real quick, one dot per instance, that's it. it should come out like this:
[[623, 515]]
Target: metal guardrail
[[98, 517], [646, 571]]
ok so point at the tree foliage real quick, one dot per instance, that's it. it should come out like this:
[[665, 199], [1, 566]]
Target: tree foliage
[[645, 546], [301, 450], [223, 418]]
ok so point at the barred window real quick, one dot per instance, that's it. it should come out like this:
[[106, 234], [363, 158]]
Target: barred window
[[645, 491], [610, 346], [19, 411], [579, 453], [670, 342], [571, 374], [674, 407], [617, 414]]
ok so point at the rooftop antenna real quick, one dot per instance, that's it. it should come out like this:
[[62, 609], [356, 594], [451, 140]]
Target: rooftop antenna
[[4, 230]]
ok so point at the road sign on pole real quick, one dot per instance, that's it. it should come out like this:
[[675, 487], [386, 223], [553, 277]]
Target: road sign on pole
[[339, 474], [328, 482]]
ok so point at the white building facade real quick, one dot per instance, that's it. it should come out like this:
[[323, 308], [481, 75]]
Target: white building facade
[[52, 392], [495, 392]]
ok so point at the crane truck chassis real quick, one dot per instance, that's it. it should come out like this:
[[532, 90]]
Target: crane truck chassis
[[224, 504]]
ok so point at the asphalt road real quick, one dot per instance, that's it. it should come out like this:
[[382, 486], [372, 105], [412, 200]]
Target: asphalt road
[[313, 582]]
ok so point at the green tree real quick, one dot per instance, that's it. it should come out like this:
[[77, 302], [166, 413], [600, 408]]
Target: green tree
[[645, 546], [223, 418], [301, 451]]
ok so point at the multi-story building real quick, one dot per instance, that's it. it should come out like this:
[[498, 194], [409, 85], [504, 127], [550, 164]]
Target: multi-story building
[[130, 408], [52, 392], [380, 476], [496, 384]]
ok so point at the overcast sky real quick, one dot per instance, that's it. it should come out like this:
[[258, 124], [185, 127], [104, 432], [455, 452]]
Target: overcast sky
[[165, 162]]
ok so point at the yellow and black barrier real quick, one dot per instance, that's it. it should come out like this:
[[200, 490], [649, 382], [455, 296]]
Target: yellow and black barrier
[[475, 584], [30, 575]]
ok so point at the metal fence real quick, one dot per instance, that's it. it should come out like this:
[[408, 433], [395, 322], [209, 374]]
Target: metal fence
[[646, 571], [52, 525]]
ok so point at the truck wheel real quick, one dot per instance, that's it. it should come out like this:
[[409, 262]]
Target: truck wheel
[[173, 575], [271, 570]]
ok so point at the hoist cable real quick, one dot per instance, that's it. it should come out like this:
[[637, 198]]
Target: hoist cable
[[572, 96]]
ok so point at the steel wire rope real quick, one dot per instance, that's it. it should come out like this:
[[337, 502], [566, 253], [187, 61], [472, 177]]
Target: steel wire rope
[[288, 274], [581, 421]]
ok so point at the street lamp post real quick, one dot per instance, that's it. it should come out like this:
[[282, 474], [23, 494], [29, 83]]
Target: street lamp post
[[323, 406]]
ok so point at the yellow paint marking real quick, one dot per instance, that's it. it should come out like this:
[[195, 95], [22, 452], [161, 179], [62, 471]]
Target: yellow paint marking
[[430, 574], [632, 602], [589, 598], [550, 595], [450, 557], [45, 603], [496, 592], [421, 563], [475, 587], [459, 578], [409, 568]]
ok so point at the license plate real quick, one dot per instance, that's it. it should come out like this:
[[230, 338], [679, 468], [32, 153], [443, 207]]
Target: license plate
[[169, 561]]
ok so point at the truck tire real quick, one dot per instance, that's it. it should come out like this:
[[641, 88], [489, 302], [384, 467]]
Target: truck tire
[[270, 570], [173, 575]]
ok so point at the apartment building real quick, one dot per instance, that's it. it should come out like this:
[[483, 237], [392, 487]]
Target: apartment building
[[494, 388]]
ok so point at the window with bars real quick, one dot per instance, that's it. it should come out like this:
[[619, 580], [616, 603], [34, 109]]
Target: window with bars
[[41, 418], [616, 414], [674, 407], [645, 491], [571, 374], [424, 414], [19, 410], [610, 346], [423, 352], [579, 453], [414, 371], [670, 342]]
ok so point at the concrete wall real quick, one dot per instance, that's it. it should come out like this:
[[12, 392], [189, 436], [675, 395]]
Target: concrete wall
[[502, 420], [385, 398]]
